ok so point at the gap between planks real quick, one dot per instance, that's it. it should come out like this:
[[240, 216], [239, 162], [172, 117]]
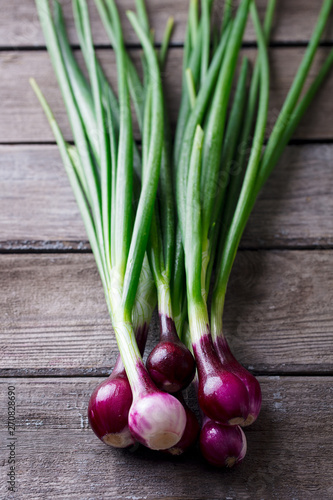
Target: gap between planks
[[35, 374], [83, 247], [20, 27]]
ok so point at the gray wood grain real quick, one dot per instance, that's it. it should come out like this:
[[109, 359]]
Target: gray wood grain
[[36, 201], [289, 449], [295, 207], [54, 319], [38, 210], [19, 26], [22, 119]]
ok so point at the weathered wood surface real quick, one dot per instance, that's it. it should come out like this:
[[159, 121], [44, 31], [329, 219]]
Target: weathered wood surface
[[54, 318], [38, 210], [295, 207], [22, 119], [19, 26], [37, 203], [289, 449]]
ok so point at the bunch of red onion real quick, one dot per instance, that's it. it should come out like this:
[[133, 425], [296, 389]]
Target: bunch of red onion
[[167, 222]]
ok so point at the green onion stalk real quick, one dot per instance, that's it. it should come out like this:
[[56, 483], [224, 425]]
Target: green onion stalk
[[170, 364], [216, 170], [194, 70], [244, 188], [101, 169], [211, 232], [222, 396]]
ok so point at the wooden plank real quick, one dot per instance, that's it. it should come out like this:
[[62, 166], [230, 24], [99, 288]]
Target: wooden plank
[[293, 208], [38, 210], [23, 120], [57, 456], [36, 194], [19, 25], [278, 314]]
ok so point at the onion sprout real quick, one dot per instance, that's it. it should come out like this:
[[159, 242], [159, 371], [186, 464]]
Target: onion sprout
[[165, 223]]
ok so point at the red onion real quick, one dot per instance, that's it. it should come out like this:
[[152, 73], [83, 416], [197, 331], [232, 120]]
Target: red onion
[[156, 419], [170, 364], [251, 383], [111, 400], [221, 395], [222, 446]]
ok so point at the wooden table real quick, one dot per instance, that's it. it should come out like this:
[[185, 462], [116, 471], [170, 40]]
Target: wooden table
[[56, 341]]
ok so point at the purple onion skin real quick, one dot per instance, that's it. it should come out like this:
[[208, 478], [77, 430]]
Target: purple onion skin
[[108, 410], [156, 419], [170, 364], [110, 403], [222, 446], [251, 383], [221, 395], [191, 432]]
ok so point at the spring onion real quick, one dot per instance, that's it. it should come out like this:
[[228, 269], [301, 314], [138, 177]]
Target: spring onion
[[222, 446], [165, 223], [156, 419]]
